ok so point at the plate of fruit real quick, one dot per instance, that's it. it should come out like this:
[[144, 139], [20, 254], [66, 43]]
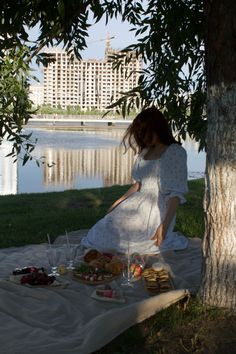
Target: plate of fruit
[[33, 276], [108, 293]]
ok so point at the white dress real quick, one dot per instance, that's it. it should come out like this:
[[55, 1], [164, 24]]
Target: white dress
[[137, 217]]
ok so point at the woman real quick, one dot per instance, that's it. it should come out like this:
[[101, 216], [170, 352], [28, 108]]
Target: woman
[[145, 214]]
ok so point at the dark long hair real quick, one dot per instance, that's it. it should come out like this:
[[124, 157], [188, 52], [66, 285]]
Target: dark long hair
[[148, 122]]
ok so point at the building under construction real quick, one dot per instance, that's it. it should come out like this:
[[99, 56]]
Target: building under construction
[[89, 84]]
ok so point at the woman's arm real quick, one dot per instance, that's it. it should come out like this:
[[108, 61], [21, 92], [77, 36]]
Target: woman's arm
[[161, 231], [134, 188]]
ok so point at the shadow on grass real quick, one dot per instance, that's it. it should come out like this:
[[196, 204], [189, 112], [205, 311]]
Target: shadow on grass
[[179, 330]]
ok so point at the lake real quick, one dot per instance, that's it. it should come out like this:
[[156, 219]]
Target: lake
[[83, 159]]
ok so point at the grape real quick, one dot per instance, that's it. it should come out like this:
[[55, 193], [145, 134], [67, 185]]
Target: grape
[[37, 278]]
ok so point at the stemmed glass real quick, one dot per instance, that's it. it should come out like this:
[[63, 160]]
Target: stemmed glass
[[70, 253], [127, 274], [53, 253]]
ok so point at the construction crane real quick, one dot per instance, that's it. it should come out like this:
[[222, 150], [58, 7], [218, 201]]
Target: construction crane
[[102, 39]]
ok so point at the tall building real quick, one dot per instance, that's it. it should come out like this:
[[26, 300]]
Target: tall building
[[37, 95], [89, 84]]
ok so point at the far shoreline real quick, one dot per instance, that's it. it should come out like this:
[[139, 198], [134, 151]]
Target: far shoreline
[[76, 121]]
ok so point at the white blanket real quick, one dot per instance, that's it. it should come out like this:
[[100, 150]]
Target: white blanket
[[54, 320]]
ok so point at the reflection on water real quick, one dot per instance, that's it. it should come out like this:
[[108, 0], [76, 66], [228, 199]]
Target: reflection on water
[[105, 166], [8, 171], [195, 160], [84, 159]]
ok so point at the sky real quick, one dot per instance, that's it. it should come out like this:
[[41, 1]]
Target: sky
[[96, 40], [97, 35]]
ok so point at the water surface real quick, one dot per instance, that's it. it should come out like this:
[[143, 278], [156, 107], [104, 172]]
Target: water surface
[[83, 159]]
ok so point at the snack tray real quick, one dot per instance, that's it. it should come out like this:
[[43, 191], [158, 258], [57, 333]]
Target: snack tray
[[59, 282], [98, 282], [157, 282]]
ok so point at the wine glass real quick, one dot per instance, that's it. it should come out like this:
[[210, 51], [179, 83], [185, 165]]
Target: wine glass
[[128, 276], [127, 273], [54, 253], [70, 254]]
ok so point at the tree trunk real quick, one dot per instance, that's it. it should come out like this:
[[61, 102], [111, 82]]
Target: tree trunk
[[219, 246]]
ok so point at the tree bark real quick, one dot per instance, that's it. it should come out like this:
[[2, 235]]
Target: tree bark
[[218, 286]]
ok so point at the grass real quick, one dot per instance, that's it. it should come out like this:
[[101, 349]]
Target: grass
[[175, 330], [179, 329], [27, 218]]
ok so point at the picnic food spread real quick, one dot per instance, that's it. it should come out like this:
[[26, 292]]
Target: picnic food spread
[[101, 268], [98, 268]]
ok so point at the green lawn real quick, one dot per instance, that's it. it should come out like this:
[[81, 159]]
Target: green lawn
[[28, 218]]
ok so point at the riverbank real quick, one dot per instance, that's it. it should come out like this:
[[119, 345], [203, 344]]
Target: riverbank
[[28, 218], [79, 122]]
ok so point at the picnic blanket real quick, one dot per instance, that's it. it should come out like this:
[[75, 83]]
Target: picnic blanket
[[58, 320]]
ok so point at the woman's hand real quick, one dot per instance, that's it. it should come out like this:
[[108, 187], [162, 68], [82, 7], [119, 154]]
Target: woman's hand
[[111, 208], [159, 235], [161, 231]]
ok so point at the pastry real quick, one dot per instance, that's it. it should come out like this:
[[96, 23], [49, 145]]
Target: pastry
[[157, 281], [115, 267], [96, 263], [91, 255]]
